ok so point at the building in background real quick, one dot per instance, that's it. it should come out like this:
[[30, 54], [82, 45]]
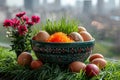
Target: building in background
[[111, 4], [57, 2], [44, 2], [100, 7], [79, 5], [31, 4], [28, 4], [3, 10], [87, 6], [2, 3], [35, 4]]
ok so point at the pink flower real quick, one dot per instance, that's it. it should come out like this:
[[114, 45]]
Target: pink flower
[[25, 18], [30, 23], [16, 22], [19, 15], [22, 29], [35, 19], [7, 23]]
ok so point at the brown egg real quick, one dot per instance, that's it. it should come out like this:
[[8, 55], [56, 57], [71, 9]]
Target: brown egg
[[101, 63], [76, 36], [81, 28], [24, 59], [42, 36], [36, 64], [94, 56], [34, 37], [77, 66], [86, 35]]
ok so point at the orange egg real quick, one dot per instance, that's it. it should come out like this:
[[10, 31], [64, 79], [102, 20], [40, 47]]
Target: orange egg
[[24, 59], [81, 28], [101, 63], [94, 56], [86, 35], [77, 66], [35, 64]]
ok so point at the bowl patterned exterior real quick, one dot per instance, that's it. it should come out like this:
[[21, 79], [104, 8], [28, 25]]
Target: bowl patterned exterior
[[62, 53]]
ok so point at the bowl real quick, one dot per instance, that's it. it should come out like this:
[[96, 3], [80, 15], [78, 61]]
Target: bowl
[[62, 53]]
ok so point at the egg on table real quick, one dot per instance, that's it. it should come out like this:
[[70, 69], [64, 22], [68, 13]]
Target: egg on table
[[100, 62], [94, 56], [24, 59], [76, 66], [92, 70]]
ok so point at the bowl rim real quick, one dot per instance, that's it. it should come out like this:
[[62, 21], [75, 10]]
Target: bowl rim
[[85, 42]]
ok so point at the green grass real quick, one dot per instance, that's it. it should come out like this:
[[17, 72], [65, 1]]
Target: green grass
[[10, 70], [63, 25]]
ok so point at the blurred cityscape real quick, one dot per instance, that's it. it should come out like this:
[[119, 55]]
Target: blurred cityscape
[[102, 19], [55, 9]]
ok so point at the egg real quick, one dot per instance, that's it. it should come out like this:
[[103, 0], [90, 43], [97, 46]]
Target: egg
[[101, 63], [94, 56], [76, 36], [92, 70], [42, 36], [86, 35], [76, 66], [36, 64], [24, 59], [81, 28], [33, 38]]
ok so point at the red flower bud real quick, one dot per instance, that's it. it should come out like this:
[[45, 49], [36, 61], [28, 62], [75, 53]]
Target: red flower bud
[[19, 15], [22, 29], [25, 18], [29, 23], [16, 22], [7, 23], [35, 19]]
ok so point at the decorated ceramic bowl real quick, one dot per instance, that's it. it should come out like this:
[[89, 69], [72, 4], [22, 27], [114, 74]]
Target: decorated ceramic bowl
[[62, 53]]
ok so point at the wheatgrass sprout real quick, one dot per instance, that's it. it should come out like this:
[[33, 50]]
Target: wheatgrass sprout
[[63, 25]]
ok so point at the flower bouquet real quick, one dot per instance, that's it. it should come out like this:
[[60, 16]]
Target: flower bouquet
[[19, 31]]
